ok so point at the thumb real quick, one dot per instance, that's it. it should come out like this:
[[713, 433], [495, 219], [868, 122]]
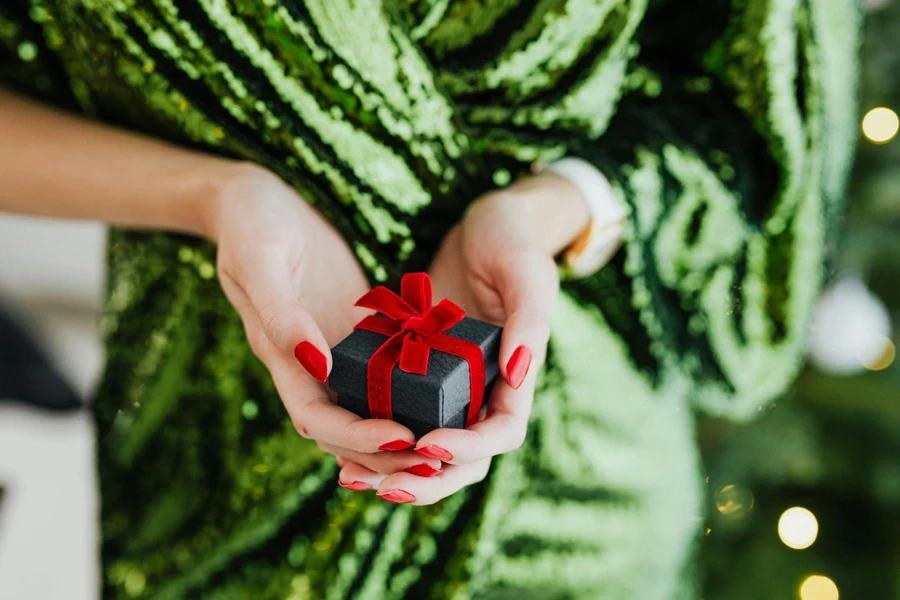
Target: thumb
[[527, 284], [287, 324]]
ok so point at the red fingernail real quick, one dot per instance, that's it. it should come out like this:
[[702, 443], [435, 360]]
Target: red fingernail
[[356, 486], [397, 445], [312, 360], [423, 470], [434, 452], [517, 367], [398, 496]]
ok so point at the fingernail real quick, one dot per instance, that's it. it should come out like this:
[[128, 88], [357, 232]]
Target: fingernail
[[312, 360], [398, 496], [517, 367], [423, 470], [356, 486], [397, 445], [434, 452]]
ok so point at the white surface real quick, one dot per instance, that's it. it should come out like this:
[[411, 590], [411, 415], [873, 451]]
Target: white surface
[[48, 518], [52, 260], [51, 277]]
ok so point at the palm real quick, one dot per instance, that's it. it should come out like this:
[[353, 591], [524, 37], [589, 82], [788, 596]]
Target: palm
[[456, 278]]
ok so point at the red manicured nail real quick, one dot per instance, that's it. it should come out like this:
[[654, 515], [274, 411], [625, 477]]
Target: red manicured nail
[[434, 452], [398, 496], [356, 486], [423, 470], [517, 367], [312, 360], [397, 445]]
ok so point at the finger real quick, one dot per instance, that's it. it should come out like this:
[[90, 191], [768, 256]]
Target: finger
[[502, 430], [288, 325], [404, 488], [357, 478], [315, 416], [318, 418], [528, 283], [312, 412], [389, 462]]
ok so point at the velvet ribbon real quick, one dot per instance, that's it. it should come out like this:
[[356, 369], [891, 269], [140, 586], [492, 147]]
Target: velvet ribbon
[[415, 327]]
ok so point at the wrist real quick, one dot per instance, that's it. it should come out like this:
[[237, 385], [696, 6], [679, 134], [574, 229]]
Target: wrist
[[556, 212], [602, 237], [220, 185]]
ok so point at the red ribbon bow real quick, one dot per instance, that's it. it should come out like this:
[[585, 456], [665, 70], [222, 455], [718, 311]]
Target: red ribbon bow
[[415, 328]]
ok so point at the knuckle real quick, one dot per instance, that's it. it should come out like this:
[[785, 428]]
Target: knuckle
[[299, 423], [518, 438], [482, 472], [271, 322], [256, 339], [541, 325], [349, 435]]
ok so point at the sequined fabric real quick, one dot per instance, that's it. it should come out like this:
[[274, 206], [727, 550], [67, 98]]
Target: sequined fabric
[[726, 127]]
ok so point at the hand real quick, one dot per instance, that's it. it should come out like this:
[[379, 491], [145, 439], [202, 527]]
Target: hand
[[498, 264], [294, 281]]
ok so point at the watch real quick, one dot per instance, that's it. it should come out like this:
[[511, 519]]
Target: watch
[[599, 241]]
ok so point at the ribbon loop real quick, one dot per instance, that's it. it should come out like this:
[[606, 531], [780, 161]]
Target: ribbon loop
[[440, 318], [388, 303], [415, 288], [415, 327]]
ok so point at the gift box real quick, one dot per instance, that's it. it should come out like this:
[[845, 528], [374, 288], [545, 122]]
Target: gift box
[[423, 366]]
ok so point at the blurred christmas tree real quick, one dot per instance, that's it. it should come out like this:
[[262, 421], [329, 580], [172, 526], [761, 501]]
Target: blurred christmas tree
[[831, 447]]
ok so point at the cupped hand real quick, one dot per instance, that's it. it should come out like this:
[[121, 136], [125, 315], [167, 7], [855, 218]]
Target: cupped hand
[[294, 282], [498, 265]]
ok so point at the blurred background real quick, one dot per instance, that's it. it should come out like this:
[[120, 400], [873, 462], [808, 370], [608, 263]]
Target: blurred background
[[805, 502], [802, 504]]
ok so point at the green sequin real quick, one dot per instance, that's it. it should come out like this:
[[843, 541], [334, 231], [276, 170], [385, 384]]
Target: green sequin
[[389, 117]]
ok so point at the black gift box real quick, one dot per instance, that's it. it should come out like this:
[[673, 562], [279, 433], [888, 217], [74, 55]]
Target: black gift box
[[440, 398]]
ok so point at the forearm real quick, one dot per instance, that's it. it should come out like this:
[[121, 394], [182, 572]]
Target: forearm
[[57, 165]]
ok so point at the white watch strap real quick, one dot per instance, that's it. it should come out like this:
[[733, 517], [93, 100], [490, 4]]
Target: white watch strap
[[593, 249]]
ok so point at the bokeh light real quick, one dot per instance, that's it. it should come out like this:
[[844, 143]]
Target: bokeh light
[[733, 501], [880, 125], [818, 587], [883, 360], [798, 528]]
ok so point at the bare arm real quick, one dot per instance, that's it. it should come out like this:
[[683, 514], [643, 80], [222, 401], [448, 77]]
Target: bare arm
[[288, 273], [56, 165]]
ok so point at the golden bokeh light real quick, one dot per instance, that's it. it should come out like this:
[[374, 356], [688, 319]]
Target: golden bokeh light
[[818, 587], [883, 360], [733, 501], [798, 528], [880, 125]]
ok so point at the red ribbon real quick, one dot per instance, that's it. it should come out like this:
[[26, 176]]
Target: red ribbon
[[415, 328]]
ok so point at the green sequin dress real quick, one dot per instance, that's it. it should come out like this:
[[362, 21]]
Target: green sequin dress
[[726, 127]]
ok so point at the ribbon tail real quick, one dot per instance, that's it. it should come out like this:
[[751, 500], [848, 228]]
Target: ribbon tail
[[414, 356]]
